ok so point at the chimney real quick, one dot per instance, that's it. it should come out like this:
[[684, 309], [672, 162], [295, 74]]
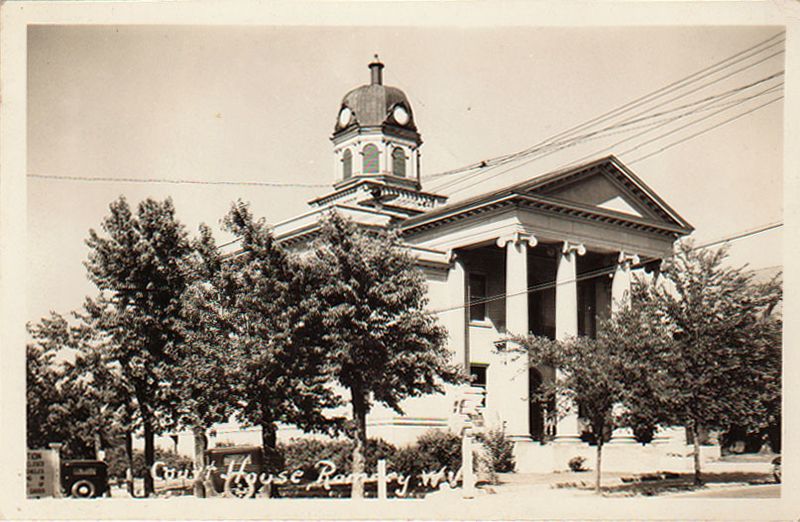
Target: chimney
[[376, 72]]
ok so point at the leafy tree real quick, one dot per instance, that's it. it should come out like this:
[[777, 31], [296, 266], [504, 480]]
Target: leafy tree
[[67, 398], [50, 336], [249, 317], [201, 377], [367, 301], [590, 375], [138, 266], [708, 346]]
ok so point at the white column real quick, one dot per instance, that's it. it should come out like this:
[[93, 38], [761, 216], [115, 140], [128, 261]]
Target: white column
[[515, 408], [621, 284], [566, 327], [620, 292], [455, 319]]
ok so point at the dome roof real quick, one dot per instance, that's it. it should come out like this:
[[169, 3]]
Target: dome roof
[[374, 104]]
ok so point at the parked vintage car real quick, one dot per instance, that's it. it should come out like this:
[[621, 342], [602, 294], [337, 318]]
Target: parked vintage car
[[776, 469], [84, 478], [247, 459]]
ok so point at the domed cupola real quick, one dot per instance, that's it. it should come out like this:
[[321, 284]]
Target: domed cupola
[[375, 105], [375, 135]]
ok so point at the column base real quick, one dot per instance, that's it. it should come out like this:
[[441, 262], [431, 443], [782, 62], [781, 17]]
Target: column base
[[623, 439], [567, 439], [622, 436]]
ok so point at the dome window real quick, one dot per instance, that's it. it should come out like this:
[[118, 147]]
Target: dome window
[[370, 153], [399, 162], [347, 164]]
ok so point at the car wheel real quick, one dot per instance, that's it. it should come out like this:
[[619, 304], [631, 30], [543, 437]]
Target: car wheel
[[83, 489], [238, 487], [776, 469]]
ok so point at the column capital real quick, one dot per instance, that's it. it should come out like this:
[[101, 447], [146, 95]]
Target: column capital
[[626, 259], [569, 248], [517, 237], [452, 257]]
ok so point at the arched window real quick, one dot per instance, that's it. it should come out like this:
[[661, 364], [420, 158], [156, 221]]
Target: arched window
[[347, 164], [370, 153], [399, 162]]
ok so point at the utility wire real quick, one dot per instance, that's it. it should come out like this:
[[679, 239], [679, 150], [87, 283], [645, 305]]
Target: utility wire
[[699, 75], [653, 126], [606, 270], [633, 119], [727, 106], [555, 146], [176, 181], [695, 122], [548, 143], [677, 129], [669, 146]]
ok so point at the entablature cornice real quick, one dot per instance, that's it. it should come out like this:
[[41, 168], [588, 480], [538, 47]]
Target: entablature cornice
[[488, 228], [548, 205]]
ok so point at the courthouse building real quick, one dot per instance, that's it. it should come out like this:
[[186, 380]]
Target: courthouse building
[[545, 244]]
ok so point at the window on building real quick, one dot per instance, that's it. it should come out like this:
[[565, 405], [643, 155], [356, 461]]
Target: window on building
[[399, 162], [477, 293], [477, 373], [370, 159], [347, 164]]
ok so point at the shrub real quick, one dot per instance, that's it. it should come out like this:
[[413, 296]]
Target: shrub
[[441, 448], [117, 463], [576, 464], [378, 449], [499, 450], [411, 461], [306, 453]]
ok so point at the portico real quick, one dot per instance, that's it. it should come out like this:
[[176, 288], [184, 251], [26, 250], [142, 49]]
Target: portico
[[534, 259]]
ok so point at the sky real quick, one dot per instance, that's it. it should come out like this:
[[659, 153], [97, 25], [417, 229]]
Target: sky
[[259, 104]]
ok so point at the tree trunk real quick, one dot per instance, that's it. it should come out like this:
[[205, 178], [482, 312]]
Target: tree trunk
[[269, 446], [149, 455], [360, 442], [696, 453], [200, 447], [129, 460], [598, 467], [98, 445]]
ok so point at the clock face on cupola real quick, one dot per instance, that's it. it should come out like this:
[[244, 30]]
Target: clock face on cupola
[[375, 135]]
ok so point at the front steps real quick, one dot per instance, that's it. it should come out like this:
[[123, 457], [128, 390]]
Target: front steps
[[533, 457]]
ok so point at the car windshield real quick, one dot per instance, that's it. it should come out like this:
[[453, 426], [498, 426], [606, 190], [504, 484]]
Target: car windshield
[[236, 459]]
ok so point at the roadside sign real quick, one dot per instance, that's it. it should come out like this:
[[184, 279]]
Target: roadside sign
[[43, 475]]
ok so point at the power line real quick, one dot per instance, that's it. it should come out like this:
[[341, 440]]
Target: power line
[[699, 75], [606, 270], [176, 181], [542, 147], [632, 119], [725, 107], [695, 122], [555, 146], [669, 146]]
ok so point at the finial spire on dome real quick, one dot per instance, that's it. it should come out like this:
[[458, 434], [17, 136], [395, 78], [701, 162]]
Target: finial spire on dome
[[376, 69]]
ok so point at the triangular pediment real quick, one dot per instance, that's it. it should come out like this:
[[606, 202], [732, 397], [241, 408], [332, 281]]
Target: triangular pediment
[[607, 186], [603, 190], [597, 190]]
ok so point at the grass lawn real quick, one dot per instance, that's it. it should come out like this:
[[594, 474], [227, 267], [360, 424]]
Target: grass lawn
[[652, 484]]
